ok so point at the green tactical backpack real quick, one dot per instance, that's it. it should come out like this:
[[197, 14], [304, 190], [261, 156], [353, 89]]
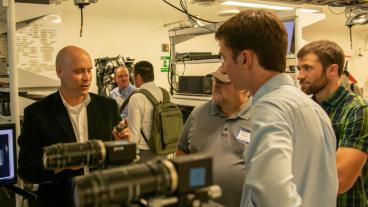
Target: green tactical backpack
[[167, 123]]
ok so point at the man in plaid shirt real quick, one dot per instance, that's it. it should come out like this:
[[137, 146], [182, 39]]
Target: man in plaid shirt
[[320, 65]]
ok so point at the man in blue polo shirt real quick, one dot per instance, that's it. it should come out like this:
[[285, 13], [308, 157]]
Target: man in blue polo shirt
[[124, 89]]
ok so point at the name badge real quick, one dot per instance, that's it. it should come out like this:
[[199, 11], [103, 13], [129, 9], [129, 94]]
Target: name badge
[[243, 135]]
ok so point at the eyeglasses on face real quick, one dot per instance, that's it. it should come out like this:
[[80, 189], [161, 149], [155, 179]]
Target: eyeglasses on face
[[218, 82]]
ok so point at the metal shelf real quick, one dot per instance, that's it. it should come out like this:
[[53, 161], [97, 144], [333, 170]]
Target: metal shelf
[[197, 61], [190, 100], [182, 35]]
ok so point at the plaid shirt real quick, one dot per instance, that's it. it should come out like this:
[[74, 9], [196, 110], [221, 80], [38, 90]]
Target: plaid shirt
[[349, 116]]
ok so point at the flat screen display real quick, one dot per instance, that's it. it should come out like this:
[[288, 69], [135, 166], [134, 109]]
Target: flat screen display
[[197, 177], [7, 154], [289, 26]]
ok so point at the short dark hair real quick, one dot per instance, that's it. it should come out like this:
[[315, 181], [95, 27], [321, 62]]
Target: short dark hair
[[260, 31], [328, 53], [145, 70]]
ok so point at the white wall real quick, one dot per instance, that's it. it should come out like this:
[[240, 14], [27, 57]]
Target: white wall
[[135, 28], [114, 28]]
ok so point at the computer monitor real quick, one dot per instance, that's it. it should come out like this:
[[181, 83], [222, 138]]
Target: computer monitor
[[8, 167], [290, 25]]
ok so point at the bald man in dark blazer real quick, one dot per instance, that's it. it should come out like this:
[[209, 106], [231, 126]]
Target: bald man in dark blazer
[[71, 114]]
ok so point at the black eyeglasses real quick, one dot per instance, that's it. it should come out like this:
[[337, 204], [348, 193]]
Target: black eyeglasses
[[218, 82]]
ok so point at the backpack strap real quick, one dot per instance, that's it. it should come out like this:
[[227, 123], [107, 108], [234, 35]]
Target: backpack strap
[[149, 95], [153, 100], [126, 102], [165, 95]]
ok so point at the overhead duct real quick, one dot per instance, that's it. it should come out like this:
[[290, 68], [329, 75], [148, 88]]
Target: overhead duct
[[33, 1], [40, 1], [203, 2], [337, 3]]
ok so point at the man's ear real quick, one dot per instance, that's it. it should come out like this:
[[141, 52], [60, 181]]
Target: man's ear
[[245, 58], [333, 70], [58, 72]]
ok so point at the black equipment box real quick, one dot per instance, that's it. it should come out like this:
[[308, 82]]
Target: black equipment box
[[195, 84]]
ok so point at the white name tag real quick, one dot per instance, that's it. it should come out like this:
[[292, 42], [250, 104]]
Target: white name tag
[[243, 135]]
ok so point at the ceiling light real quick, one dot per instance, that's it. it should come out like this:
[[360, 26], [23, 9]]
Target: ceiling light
[[54, 18], [309, 11], [203, 2], [256, 5]]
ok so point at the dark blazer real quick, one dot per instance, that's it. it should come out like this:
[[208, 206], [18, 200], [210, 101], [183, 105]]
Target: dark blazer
[[47, 122]]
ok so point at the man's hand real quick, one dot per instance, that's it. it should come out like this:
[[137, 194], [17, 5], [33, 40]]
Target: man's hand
[[121, 131]]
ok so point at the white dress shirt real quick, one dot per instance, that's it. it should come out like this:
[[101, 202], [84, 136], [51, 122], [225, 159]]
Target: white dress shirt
[[78, 117], [140, 114]]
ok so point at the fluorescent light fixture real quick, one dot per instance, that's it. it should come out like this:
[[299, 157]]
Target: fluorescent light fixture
[[227, 12], [256, 5], [265, 6], [309, 11], [54, 18]]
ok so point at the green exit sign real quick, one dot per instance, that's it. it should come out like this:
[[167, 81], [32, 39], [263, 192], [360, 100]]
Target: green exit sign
[[165, 64]]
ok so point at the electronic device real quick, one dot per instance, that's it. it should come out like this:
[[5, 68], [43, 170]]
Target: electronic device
[[195, 56], [290, 29], [176, 182], [93, 153], [8, 167], [195, 85]]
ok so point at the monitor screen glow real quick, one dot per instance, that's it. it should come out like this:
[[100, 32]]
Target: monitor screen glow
[[289, 26], [7, 154]]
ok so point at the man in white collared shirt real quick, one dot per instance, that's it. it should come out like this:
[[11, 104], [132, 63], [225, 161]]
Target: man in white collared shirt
[[141, 109], [71, 114]]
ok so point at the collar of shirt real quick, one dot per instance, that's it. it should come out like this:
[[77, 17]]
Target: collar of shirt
[[125, 91], [275, 82], [334, 99], [243, 113], [85, 103], [148, 85]]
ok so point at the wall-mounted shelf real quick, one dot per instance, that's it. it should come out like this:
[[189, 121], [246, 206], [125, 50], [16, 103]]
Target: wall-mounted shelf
[[178, 36], [189, 100], [197, 61], [181, 35]]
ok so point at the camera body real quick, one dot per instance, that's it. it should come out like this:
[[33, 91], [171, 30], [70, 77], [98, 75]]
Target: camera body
[[175, 182], [93, 153]]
